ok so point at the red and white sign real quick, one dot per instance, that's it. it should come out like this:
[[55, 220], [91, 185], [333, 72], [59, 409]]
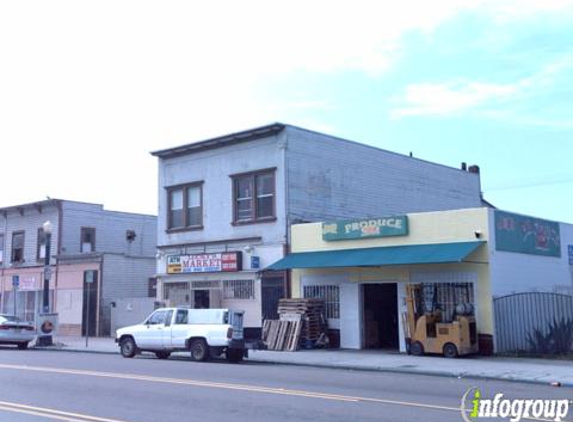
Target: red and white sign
[[204, 263]]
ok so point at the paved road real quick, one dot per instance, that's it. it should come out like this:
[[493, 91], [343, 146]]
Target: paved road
[[43, 385]]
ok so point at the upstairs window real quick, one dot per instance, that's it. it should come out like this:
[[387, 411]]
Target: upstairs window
[[1, 248], [41, 245], [185, 205], [18, 246], [254, 197], [88, 240]]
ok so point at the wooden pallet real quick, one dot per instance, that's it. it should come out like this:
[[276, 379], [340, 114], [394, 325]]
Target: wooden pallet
[[312, 316], [282, 334]]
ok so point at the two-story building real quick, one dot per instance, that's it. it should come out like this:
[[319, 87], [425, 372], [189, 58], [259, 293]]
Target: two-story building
[[226, 205], [96, 253]]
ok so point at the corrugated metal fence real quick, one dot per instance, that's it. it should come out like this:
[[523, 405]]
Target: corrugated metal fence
[[520, 314]]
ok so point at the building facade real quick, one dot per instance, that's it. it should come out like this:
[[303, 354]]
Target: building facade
[[109, 253], [467, 256], [226, 204]]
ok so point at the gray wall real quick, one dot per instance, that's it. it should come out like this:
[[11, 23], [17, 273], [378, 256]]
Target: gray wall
[[111, 227], [130, 311], [31, 220], [331, 178], [123, 277]]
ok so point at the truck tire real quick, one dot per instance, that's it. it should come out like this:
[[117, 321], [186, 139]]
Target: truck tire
[[199, 350], [162, 354], [128, 348], [234, 355]]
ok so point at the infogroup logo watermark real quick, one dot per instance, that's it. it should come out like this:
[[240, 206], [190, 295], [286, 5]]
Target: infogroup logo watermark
[[475, 407]]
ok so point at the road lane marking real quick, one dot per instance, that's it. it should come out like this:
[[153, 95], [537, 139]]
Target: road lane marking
[[238, 387], [51, 413]]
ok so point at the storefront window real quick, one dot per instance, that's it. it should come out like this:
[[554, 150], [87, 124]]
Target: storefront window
[[331, 296], [239, 289]]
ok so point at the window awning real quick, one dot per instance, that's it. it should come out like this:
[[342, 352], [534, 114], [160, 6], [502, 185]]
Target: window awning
[[375, 257]]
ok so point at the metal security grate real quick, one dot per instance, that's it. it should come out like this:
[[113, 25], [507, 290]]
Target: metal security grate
[[517, 316], [239, 289], [331, 296]]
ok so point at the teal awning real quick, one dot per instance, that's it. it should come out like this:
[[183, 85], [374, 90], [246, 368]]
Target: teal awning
[[374, 257]]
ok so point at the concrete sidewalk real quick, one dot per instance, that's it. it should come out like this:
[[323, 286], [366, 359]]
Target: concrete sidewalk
[[541, 371]]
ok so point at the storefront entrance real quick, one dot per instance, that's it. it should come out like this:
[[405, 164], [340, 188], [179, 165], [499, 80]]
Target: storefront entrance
[[380, 316], [201, 299]]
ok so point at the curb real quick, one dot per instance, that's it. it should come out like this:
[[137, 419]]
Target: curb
[[408, 371]]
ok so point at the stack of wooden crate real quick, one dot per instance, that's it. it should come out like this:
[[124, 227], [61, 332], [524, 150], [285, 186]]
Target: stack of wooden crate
[[302, 322]]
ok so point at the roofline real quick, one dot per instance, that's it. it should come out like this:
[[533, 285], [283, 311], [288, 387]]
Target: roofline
[[221, 141], [58, 202], [37, 205]]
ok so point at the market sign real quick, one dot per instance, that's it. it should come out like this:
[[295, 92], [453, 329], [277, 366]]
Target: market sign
[[528, 235], [367, 228], [204, 263]]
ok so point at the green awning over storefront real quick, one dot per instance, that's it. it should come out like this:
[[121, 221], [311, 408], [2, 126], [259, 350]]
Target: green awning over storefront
[[374, 257]]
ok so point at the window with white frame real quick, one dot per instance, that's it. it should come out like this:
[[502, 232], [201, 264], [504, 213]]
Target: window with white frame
[[331, 296], [87, 239], [238, 289]]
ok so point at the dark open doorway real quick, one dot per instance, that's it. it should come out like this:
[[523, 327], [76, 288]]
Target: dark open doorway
[[201, 299], [380, 316]]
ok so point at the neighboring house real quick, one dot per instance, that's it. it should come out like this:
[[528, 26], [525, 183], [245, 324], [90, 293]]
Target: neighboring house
[[117, 249], [516, 271], [226, 204]]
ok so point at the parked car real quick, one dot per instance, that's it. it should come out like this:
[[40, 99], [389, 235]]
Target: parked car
[[202, 332], [17, 332]]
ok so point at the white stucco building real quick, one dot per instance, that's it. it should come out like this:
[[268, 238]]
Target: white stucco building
[[226, 205]]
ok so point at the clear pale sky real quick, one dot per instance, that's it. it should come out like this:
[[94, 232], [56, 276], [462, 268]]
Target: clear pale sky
[[87, 89]]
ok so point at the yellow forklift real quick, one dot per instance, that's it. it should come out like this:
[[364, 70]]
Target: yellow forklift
[[429, 331]]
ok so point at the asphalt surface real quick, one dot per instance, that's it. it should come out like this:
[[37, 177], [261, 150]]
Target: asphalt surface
[[82, 387]]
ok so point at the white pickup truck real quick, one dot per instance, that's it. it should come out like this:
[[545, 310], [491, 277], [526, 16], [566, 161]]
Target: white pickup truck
[[202, 332]]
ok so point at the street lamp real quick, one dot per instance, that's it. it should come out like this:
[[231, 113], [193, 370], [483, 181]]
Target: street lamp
[[46, 328], [47, 227]]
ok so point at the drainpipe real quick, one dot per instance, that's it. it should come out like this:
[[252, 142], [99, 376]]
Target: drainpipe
[[58, 250], [3, 291], [286, 247]]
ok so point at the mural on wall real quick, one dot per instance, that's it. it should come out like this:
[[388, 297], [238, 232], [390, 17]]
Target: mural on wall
[[528, 235]]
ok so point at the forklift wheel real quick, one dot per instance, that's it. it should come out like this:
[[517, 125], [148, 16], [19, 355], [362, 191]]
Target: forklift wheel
[[417, 349], [450, 350]]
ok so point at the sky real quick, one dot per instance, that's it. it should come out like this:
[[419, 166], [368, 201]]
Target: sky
[[88, 89]]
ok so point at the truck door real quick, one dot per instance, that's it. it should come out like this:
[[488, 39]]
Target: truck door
[[151, 337], [167, 328], [176, 335]]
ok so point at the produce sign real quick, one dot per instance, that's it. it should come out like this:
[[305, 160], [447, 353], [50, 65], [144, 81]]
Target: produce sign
[[360, 229]]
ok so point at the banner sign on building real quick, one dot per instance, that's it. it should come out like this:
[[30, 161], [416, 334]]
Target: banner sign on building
[[204, 263], [570, 250], [528, 235], [28, 284], [367, 228]]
